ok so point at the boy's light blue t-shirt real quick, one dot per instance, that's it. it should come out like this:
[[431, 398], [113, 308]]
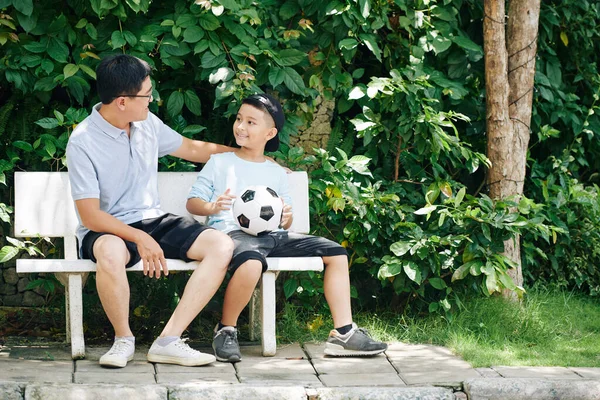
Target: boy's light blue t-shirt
[[228, 171]]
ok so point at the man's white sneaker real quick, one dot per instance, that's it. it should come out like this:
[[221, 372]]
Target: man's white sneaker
[[178, 352], [119, 354]]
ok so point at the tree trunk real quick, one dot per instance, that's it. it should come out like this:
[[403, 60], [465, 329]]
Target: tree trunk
[[509, 76]]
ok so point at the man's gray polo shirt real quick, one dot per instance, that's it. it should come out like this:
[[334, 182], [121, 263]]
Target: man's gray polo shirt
[[121, 171]]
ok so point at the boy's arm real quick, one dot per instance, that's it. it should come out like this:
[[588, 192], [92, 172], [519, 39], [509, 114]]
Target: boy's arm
[[198, 206], [199, 151]]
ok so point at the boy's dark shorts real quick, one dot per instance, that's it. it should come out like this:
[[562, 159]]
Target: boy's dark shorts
[[280, 244], [174, 234]]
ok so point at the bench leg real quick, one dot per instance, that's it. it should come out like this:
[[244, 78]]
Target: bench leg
[[75, 315], [254, 312], [269, 342]]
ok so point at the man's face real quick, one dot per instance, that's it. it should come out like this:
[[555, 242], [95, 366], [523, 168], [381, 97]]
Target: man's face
[[138, 106]]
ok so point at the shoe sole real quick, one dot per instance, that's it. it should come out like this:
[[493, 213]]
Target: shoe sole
[[179, 361], [115, 364], [338, 351], [232, 359]]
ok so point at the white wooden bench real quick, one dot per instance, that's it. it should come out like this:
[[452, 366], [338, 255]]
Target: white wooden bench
[[44, 207]]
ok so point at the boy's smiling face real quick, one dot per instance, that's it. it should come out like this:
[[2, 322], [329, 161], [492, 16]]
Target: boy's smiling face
[[253, 128]]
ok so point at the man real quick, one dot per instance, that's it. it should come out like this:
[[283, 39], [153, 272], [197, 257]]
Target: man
[[112, 158]]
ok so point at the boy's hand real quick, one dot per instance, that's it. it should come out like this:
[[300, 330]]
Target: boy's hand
[[223, 202], [286, 216]]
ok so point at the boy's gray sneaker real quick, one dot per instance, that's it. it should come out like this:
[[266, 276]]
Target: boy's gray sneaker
[[357, 342], [225, 344], [119, 354]]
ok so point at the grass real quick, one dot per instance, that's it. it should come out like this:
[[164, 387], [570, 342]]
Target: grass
[[550, 328]]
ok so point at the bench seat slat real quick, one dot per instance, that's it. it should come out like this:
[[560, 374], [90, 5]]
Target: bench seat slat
[[77, 266]]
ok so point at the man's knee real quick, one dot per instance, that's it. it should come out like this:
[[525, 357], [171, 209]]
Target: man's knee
[[111, 253], [211, 243]]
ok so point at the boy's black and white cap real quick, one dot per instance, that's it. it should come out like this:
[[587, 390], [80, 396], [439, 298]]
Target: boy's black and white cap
[[273, 107]]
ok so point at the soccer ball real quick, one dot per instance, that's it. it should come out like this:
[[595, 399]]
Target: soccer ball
[[257, 210]]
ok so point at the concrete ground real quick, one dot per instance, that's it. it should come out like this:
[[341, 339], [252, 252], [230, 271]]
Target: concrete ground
[[298, 371]]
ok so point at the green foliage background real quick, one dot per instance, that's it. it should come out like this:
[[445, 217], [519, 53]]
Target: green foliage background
[[402, 181]]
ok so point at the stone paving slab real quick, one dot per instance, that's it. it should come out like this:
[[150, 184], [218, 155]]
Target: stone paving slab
[[36, 371], [11, 390], [73, 392], [195, 392], [267, 365], [131, 367], [361, 380], [429, 364], [205, 378], [587, 373], [367, 393], [451, 378], [212, 368], [280, 379], [488, 373], [114, 376], [291, 351], [531, 389], [396, 350], [536, 372]]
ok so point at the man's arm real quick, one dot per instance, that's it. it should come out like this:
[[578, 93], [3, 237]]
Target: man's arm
[[93, 218], [199, 151]]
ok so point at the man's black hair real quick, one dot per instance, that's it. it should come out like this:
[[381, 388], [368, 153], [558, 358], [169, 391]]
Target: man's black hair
[[120, 75]]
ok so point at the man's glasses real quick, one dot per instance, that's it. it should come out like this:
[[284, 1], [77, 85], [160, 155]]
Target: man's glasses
[[149, 97]]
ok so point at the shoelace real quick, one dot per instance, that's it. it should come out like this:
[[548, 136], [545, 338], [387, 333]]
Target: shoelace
[[229, 336], [181, 343], [364, 331], [120, 346]]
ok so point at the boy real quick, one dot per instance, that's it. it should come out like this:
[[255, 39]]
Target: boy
[[258, 121], [112, 157]]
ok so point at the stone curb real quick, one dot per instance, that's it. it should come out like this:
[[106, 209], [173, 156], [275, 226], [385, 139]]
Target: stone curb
[[531, 389], [191, 391]]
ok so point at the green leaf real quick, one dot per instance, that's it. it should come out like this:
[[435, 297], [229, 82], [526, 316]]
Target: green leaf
[[348, 44], [437, 283], [467, 44], [365, 7], [193, 34], [371, 42], [70, 70], [289, 9], [175, 103], [222, 74], [88, 70], [460, 196], [8, 252], [412, 270], [27, 22], [209, 60], [289, 57], [58, 50], [19, 144], [47, 123], [400, 248], [293, 80], [192, 102], [91, 30], [45, 84], [276, 76], [491, 284], [209, 22], [192, 129], [507, 281], [117, 39], [24, 7], [389, 269], [36, 47], [130, 38], [289, 287]]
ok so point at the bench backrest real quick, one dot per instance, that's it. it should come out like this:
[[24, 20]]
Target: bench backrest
[[43, 203]]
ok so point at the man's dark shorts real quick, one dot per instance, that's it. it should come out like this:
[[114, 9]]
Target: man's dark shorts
[[280, 244], [174, 234]]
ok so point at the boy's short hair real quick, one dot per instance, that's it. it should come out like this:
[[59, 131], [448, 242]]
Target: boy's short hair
[[120, 75], [271, 105]]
